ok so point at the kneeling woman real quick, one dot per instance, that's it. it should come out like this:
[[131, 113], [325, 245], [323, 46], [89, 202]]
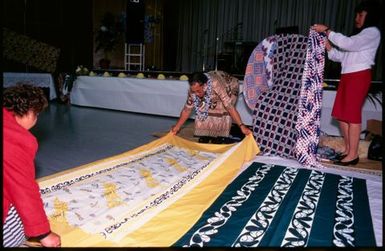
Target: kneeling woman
[[23, 211], [213, 96]]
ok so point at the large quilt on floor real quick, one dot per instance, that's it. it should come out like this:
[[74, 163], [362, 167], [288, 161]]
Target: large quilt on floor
[[173, 192], [276, 206], [147, 197]]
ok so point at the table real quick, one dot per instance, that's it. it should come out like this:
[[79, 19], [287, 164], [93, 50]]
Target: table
[[330, 125], [150, 96], [36, 79], [167, 97]]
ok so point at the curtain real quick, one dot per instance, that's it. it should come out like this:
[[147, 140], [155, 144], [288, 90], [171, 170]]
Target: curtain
[[206, 25]]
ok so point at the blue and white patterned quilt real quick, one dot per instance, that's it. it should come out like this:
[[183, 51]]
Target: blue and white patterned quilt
[[276, 206]]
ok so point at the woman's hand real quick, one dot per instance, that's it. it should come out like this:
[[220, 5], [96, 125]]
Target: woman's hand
[[320, 27], [175, 129], [328, 45], [51, 240], [245, 130]]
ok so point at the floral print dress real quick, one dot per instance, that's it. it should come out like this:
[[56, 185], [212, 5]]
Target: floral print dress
[[224, 94]]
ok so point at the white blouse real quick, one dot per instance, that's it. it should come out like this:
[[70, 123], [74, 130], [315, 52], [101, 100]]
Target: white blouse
[[355, 53]]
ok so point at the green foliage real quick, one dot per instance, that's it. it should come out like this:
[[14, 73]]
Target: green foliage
[[375, 97], [108, 33]]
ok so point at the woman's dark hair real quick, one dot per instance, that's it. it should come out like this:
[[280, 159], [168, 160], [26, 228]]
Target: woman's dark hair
[[22, 97], [373, 8], [198, 77]]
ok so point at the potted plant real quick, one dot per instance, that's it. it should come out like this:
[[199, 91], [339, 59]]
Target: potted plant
[[107, 36], [375, 96]]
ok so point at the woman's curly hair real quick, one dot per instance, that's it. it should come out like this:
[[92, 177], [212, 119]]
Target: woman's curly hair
[[22, 97]]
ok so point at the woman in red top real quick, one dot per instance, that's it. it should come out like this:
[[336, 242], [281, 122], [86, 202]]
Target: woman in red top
[[23, 210]]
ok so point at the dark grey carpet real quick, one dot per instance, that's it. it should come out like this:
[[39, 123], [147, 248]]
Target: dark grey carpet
[[70, 136]]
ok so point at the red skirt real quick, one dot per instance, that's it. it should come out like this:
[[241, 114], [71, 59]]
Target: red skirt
[[351, 94]]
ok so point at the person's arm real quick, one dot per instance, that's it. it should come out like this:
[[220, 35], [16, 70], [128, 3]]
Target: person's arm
[[328, 45], [184, 115], [19, 182], [366, 39], [23, 191], [335, 55], [237, 119]]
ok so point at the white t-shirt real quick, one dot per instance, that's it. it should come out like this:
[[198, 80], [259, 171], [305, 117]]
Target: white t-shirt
[[355, 53]]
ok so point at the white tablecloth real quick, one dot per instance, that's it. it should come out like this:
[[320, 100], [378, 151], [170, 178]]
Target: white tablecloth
[[330, 125], [167, 97], [150, 96], [36, 79]]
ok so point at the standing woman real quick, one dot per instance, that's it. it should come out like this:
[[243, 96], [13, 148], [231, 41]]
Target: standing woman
[[356, 54]]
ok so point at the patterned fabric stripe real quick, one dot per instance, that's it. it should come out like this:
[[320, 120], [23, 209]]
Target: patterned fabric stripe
[[13, 230], [353, 225], [255, 229], [242, 215], [275, 113], [258, 74], [140, 157], [309, 209], [310, 102], [344, 218], [321, 236], [154, 202], [341, 194], [298, 232], [283, 217], [363, 225], [247, 191]]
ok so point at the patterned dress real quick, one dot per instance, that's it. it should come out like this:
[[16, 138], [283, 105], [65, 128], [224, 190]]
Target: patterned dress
[[225, 90]]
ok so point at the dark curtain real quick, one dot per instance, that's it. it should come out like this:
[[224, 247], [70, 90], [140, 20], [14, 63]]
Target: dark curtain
[[206, 25]]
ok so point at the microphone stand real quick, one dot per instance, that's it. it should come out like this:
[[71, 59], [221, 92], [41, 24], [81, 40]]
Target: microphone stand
[[216, 53]]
